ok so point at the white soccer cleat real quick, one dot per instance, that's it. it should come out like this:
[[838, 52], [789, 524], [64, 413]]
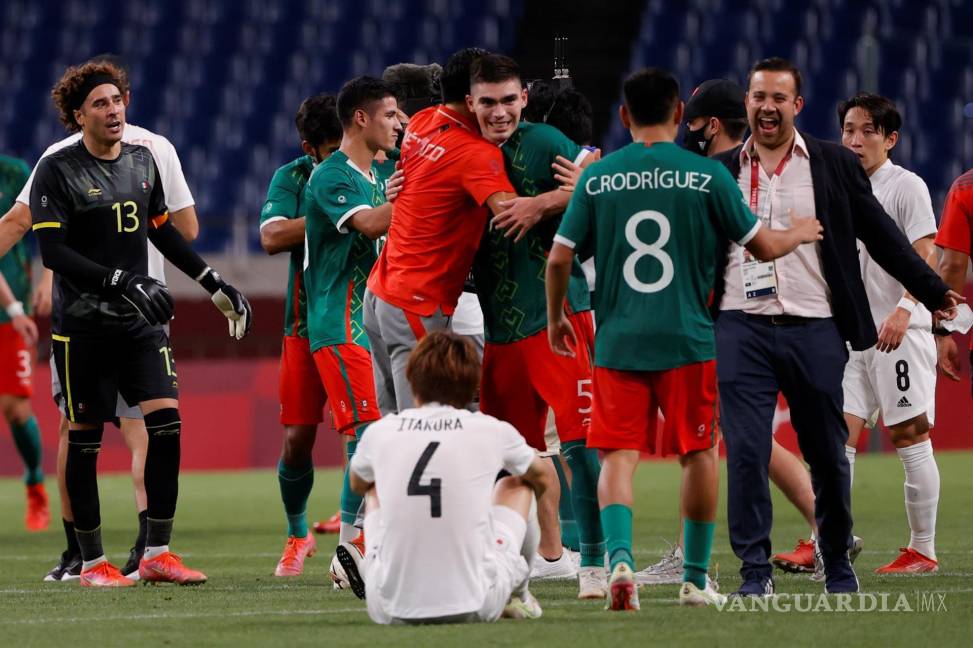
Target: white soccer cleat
[[667, 571], [349, 558], [689, 594], [522, 607], [561, 569], [592, 583]]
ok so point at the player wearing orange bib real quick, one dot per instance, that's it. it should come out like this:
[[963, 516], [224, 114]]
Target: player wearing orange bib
[[452, 175]]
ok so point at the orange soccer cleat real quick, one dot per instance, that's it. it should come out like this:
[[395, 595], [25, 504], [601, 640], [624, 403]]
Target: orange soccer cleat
[[104, 574], [295, 551], [38, 515], [331, 525], [167, 567], [801, 560], [910, 561], [360, 543]]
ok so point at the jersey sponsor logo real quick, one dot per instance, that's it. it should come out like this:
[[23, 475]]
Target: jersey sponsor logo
[[94, 192], [654, 179], [903, 402], [115, 277], [342, 200], [43, 201]]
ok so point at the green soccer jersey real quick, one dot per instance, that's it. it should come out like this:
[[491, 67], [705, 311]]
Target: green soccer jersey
[[338, 257], [15, 264], [509, 276], [651, 214], [285, 200]]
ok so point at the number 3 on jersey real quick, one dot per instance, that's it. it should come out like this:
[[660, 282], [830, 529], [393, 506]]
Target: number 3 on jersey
[[642, 249], [432, 490]]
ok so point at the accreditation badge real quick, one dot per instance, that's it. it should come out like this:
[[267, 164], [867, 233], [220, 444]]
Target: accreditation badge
[[759, 278]]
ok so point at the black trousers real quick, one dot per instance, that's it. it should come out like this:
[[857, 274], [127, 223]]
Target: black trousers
[[756, 359]]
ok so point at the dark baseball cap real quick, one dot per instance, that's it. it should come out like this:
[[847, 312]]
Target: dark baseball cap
[[716, 98]]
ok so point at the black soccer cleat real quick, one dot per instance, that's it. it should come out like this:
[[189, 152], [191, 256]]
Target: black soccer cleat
[[131, 568], [67, 569], [350, 558]]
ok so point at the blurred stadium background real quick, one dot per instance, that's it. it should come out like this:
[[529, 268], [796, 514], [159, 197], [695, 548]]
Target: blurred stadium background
[[222, 80]]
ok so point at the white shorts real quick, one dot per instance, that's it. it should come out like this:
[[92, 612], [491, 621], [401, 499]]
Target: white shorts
[[504, 569], [900, 384]]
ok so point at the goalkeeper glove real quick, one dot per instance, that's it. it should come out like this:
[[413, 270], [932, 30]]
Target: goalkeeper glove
[[150, 298], [230, 301]]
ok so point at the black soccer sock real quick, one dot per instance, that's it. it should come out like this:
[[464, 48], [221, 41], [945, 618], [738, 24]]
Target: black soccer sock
[[161, 474], [81, 479], [73, 548], [90, 543], [143, 525]]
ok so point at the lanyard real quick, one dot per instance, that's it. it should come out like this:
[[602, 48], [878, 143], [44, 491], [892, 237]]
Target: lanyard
[[755, 177]]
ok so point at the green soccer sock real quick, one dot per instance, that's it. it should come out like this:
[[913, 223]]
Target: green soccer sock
[[27, 438], [295, 488], [569, 526], [616, 520], [698, 543], [585, 470], [350, 501]]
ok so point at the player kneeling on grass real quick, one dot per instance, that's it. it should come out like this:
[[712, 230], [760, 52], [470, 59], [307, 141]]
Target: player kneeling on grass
[[446, 541], [94, 206]]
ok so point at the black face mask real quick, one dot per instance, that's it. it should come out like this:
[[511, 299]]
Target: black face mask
[[695, 141]]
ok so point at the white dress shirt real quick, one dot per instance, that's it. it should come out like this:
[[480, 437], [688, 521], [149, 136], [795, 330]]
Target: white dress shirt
[[801, 288]]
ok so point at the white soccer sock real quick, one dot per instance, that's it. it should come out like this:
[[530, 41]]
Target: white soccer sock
[[850, 455], [152, 552], [348, 532], [532, 539], [88, 564], [921, 495]]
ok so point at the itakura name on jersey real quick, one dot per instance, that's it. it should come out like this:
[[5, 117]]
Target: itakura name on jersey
[[652, 179]]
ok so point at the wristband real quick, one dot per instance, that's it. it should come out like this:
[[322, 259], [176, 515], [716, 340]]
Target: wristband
[[906, 304], [210, 280], [15, 309], [941, 332]]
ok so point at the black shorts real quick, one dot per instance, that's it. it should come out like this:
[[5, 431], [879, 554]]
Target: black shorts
[[127, 357]]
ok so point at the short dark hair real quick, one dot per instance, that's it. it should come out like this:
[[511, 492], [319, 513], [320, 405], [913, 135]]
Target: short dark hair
[[494, 68], [455, 81], [317, 120], [444, 368], [651, 95], [359, 94], [778, 64], [734, 127], [885, 116], [566, 109]]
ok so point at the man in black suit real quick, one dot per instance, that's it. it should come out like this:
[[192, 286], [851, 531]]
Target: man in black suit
[[783, 325]]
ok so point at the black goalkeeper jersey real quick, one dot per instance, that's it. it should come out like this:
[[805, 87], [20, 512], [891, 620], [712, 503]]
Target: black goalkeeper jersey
[[104, 208]]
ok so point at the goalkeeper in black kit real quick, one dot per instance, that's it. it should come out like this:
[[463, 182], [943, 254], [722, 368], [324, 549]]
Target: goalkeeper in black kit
[[95, 204]]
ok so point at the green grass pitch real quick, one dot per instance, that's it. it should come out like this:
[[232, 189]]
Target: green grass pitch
[[231, 526]]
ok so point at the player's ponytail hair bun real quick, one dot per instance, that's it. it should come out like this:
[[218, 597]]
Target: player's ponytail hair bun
[[444, 368]]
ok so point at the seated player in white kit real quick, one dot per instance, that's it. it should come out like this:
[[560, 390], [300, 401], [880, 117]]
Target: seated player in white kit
[[447, 542]]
